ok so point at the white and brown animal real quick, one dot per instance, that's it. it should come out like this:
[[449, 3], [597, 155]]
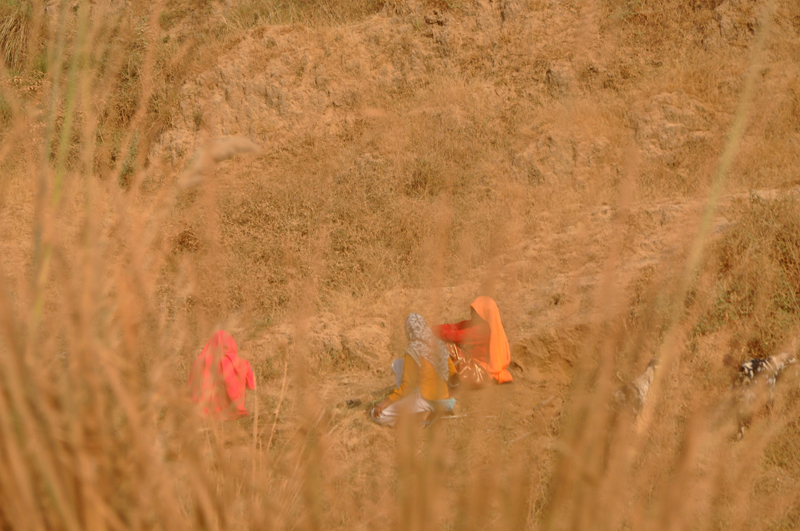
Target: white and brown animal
[[754, 387], [632, 396]]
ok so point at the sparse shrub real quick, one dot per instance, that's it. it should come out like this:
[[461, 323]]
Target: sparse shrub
[[197, 119], [40, 63], [425, 180], [128, 91], [14, 20], [246, 14], [628, 9], [757, 266], [445, 4], [5, 111]]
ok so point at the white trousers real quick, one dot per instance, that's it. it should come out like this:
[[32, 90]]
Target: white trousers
[[408, 405]]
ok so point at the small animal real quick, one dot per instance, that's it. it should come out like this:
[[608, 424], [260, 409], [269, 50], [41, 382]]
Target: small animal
[[633, 395], [769, 367], [751, 374]]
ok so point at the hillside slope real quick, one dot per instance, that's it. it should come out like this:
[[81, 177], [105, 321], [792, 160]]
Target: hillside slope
[[457, 130]]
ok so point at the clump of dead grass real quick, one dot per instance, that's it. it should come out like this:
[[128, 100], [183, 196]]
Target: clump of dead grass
[[245, 14], [15, 19], [757, 274]]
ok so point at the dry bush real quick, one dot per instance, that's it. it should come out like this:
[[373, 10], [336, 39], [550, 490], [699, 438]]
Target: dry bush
[[245, 14], [757, 274], [14, 33]]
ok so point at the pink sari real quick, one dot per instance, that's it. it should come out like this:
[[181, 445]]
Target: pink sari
[[219, 378]]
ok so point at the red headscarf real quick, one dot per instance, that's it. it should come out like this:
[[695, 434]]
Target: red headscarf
[[228, 370]]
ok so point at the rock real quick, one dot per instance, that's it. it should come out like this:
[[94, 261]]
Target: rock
[[559, 79], [435, 17], [556, 156], [668, 122], [509, 9], [735, 23]]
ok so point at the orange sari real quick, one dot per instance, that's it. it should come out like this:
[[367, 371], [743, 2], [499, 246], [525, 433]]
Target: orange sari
[[499, 350], [479, 347]]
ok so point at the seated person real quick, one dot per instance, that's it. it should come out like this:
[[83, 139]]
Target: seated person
[[479, 346], [421, 376], [218, 378]]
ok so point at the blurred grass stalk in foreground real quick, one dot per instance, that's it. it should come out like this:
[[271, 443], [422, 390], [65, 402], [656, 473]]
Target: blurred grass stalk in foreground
[[96, 431]]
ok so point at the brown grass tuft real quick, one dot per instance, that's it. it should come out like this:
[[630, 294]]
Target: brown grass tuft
[[15, 19]]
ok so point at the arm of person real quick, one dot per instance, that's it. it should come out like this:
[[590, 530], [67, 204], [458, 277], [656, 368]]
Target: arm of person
[[250, 379], [465, 334], [454, 332]]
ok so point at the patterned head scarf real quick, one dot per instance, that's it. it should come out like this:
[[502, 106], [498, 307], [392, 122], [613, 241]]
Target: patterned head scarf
[[422, 344]]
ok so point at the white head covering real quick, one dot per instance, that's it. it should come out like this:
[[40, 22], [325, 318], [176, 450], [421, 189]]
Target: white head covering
[[422, 344]]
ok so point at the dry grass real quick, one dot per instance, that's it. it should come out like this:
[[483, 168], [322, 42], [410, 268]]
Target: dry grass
[[14, 33], [251, 13], [756, 275], [394, 163]]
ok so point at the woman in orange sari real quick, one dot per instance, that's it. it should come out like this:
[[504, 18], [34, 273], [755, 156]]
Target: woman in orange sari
[[479, 346], [219, 378]]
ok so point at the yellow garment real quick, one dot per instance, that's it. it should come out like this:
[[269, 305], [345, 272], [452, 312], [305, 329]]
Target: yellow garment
[[431, 387], [499, 351]]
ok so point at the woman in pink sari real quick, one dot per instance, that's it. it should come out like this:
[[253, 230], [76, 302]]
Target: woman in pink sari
[[219, 378]]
